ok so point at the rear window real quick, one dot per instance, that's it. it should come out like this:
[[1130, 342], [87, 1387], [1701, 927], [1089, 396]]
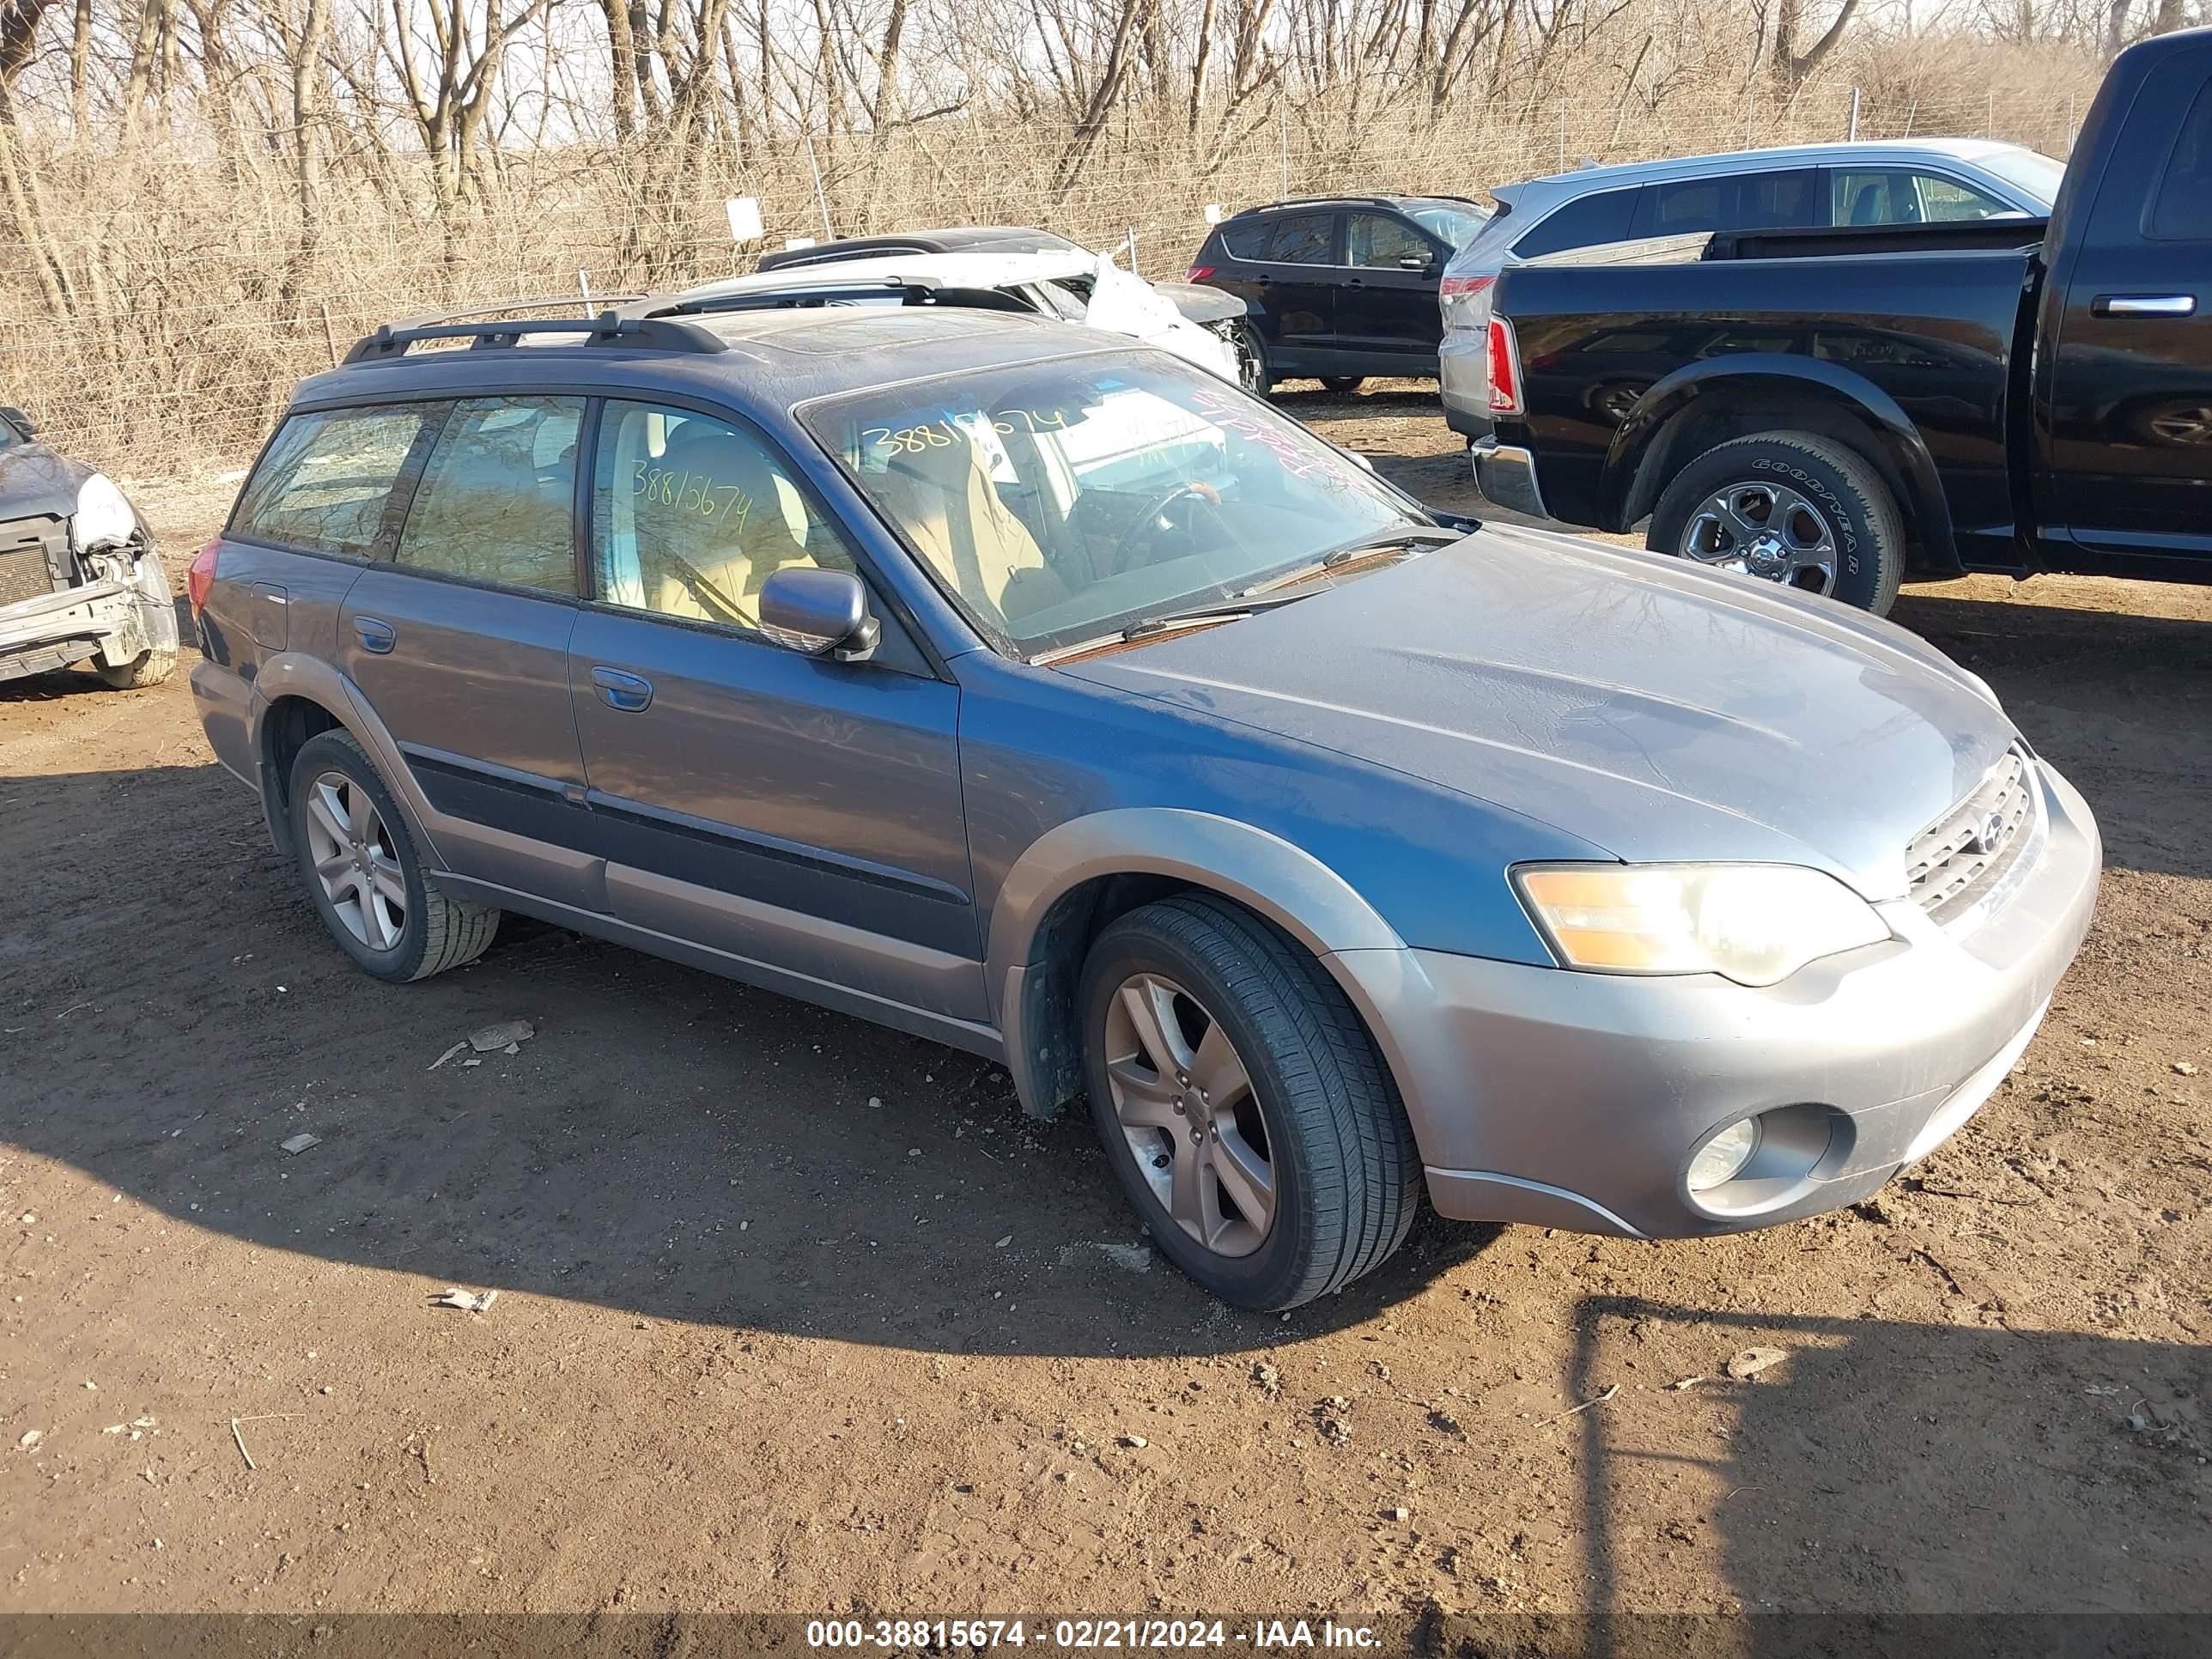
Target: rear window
[[1587, 222], [325, 482], [2181, 209]]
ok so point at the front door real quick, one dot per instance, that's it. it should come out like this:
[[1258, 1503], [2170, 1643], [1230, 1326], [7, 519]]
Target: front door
[[2128, 458], [784, 810], [460, 643], [1387, 309]]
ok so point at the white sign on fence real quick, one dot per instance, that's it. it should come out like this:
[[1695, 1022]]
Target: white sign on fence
[[792, 244], [745, 218], [1214, 213]]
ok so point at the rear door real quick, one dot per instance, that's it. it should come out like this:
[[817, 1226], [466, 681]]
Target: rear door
[[2127, 407], [1295, 276], [785, 810], [1387, 308], [460, 642]]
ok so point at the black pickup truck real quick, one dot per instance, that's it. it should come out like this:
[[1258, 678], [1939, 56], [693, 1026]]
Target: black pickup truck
[[1825, 408]]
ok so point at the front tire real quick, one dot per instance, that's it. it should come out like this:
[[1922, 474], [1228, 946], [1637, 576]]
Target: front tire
[[1244, 1105], [363, 874], [1795, 508], [1251, 359]]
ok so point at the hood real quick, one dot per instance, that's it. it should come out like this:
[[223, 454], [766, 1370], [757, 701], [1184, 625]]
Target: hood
[[38, 482], [1656, 710]]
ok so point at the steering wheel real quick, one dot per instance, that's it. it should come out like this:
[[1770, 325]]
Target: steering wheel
[[1147, 522]]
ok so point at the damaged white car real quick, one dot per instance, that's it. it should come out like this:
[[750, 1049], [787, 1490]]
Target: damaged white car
[[79, 581], [1075, 286]]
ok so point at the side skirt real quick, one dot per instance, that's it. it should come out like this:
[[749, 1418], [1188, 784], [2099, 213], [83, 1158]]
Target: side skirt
[[966, 1035]]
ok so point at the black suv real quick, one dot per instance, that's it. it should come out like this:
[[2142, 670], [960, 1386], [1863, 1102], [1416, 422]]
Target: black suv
[[1341, 287]]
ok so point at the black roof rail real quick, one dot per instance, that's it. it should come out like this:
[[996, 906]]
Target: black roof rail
[[921, 290], [621, 321], [1292, 201]]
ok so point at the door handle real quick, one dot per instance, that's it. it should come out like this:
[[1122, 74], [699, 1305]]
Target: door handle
[[375, 635], [2143, 305], [625, 692]]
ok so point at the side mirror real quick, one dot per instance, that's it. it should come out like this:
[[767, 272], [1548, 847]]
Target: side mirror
[[819, 613], [22, 422], [1420, 262]]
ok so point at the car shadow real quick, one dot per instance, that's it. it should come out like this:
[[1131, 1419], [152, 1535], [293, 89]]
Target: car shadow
[[2031, 1472], [668, 1142]]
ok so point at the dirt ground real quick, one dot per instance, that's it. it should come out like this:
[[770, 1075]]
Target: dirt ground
[[798, 1314]]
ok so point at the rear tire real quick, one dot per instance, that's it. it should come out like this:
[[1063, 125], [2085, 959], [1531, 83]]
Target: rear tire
[[1839, 488], [1275, 1074], [1342, 386], [379, 904]]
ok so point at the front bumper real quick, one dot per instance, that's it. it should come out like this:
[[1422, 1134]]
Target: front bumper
[[1507, 476], [1576, 1100], [98, 619]]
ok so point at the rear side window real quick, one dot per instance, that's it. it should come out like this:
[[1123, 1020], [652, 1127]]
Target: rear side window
[[1865, 196], [326, 483], [2181, 209], [497, 500], [1751, 200], [1586, 222], [1302, 238]]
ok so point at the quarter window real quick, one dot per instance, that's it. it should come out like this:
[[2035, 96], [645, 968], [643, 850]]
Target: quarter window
[[1377, 239], [1585, 223], [497, 503], [2182, 210], [691, 515], [325, 482]]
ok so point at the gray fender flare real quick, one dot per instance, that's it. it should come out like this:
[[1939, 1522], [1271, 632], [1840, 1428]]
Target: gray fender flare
[[294, 674], [1268, 875]]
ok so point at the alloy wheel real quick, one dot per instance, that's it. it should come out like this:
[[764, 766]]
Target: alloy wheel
[[1184, 1100], [1767, 530], [356, 860], [2189, 425]]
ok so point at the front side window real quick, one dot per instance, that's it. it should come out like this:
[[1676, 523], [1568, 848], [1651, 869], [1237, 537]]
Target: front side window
[[1377, 239], [497, 500], [691, 514], [1585, 223], [1058, 502], [325, 482], [1302, 238], [1898, 196]]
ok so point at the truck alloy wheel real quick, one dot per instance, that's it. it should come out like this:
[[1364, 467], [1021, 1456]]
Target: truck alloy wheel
[[1764, 529]]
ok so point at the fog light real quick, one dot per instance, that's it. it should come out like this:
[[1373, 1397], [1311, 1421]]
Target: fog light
[[1723, 1158]]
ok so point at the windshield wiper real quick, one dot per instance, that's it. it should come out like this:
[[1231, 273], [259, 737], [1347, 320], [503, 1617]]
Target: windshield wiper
[[1351, 552], [1206, 615]]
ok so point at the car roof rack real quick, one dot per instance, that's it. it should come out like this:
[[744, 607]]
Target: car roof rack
[[1294, 202], [798, 293], [624, 320]]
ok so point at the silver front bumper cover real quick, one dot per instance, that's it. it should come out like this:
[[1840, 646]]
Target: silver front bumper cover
[[1576, 1100]]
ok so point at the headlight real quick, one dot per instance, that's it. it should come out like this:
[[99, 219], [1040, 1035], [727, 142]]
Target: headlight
[[1753, 923], [102, 515]]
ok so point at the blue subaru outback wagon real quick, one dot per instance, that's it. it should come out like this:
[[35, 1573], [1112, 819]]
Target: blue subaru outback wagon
[[1045, 697]]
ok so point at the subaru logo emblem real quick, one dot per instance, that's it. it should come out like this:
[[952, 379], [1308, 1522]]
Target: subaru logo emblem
[[1988, 833]]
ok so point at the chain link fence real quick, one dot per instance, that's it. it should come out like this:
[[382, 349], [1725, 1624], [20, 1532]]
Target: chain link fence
[[195, 296]]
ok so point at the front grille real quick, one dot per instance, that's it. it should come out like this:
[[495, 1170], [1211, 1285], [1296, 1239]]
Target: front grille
[[26, 570], [1953, 859]]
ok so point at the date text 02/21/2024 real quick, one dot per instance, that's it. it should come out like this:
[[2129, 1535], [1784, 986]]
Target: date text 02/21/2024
[[1262, 1635]]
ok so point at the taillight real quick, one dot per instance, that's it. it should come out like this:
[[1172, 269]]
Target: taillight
[[1199, 273], [1460, 288], [1504, 368], [200, 575], [1465, 299]]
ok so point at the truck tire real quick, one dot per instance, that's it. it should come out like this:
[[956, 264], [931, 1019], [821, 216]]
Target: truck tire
[[1795, 508], [1244, 1105], [363, 872]]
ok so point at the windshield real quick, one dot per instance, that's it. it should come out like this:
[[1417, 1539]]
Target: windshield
[[2031, 174], [1456, 225], [1059, 502]]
